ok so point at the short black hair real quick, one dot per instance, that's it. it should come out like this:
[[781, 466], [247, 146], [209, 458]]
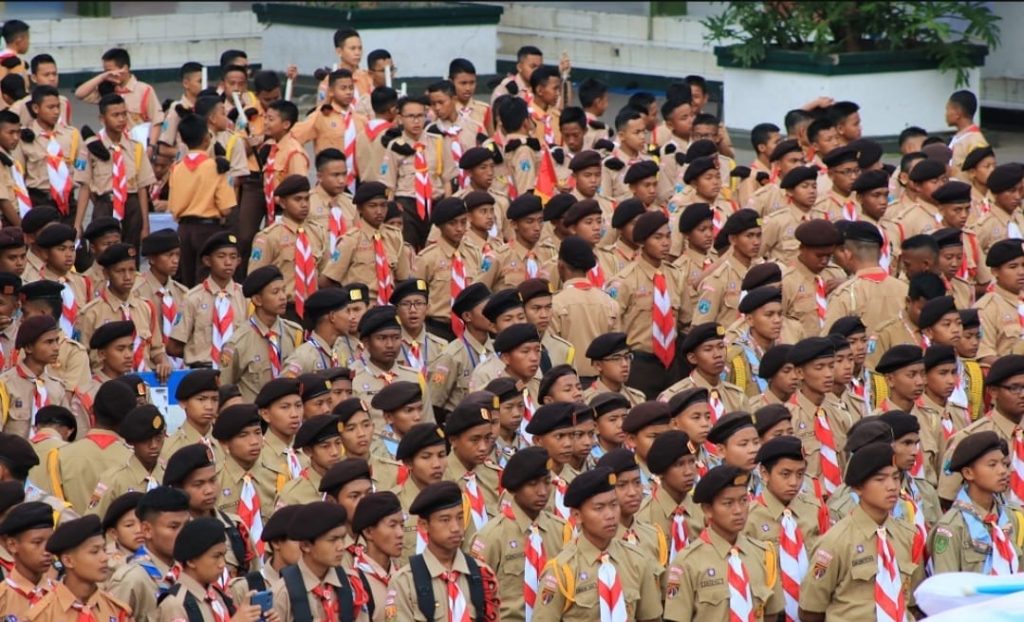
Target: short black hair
[[460, 65], [626, 115], [228, 57], [927, 285], [288, 111], [910, 158], [573, 114], [118, 56], [705, 118], [9, 118], [512, 112], [542, 74], [911, 132], [376, 55], [193, 131], [591, 90], [190, 68], [794, 118], [412, 99], [761, 133], [442, 86], [697, 81], [341, 34], [383, 98], [40, 59], [265, 81], [42, 92], [921, 241], [818, 126], [966, 101], [641, 100], [671, 105], [13, 85], [328, 155], [108, 100], [233, 68], [13, 28], [679, 91], [528, 50], [338, 74], [840, 110], [931, 140]]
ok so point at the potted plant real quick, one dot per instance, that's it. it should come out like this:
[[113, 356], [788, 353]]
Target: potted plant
[[898, 60]]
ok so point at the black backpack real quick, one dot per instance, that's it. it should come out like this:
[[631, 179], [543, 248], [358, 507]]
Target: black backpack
[[192, 604], [292, 577], [425, 589]]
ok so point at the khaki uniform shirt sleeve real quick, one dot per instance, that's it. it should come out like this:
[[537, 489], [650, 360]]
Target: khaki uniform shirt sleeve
[[551, 603], [225, 196], [679, 602], [816, 591], [524, 170]]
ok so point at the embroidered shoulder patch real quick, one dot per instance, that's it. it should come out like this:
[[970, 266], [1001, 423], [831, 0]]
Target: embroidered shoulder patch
[[704, 306]]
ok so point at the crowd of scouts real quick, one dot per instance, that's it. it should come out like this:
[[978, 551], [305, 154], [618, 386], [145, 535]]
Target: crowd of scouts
[[518, 360]]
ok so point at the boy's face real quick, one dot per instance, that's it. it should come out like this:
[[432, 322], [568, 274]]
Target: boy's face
[[538, 313], [785, 478], [874, 202], [572, 136], [413, 116], [10, 136], [412, 312], [616, 367], [482, 218], [702, 237], [222, 263], [201, 488], [908, 382], [46, 75], [1010, 199], [826, 140], [704, 132], [332, 177], [782, 428], [192, 83], [46, 348], [465, 86], [952, 113], [388, 534], [979, 173], [351, 51], [805, 193], [235, 82], [629, 491], [740, 449], [698, 97], [454, 230], [428, 464], [445, 528], [843, 176], [948, 330], [48, 110], [747, 243], [844, 368], [482, 175], [88, 561], [61, 257], [273, 298], [646, 190], [218, 119], [357, 435], [201, 408], [787, 379], [925, 188], [515, 315], [819, 375], [816, 258], [383, 345], [122, 73], [533, 495], [528, 65], [378, 73], [528, 228], [633, 135], [165, 263], [328, 549], [790, 161], [990, 472], [29, 548], [906, 448], [246, 445], [342, 92], [354, 312], [709, 184], [13, 260], [770, 144], [767, 320], [118, 355], [374, 211], [849, 128], [658, 244], [8, 306], [296, 205], [695, 420], [588, 180], [645, 437], [728, 511], [566, 389], [115, 118], [969, 342], [558, 443], [510, 413], [442, 105], [682, 475], [609, 427], [472, 446], [912, 144], [284, 416], [588, 228], [326, 453], [681, 121], [941, 379], [524, 361], [548, 91]]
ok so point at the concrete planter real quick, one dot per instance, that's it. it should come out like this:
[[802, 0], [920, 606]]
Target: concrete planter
[[894, 89]]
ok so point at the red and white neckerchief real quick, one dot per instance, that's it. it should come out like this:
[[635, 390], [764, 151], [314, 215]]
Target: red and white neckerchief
[[349, 149], [885, 258], [548, 123], [168, 311], [679, 539], [819, 299], [849, 211], [717, 220], [325, 593], [917, 471], [155, 190], [561, 486], [414, 357], [138, 346], [85, 614], [385, 279], [455, 147], [118, 181], [58, 174], [249, 511], [268, 183], [273, 349], [292, 460], [457, 610], [829, 461], [20, 188], [1004, 558], [890, 603], [223, 322], [40, 396], [374, 128], [536, 560], [336, 226], [1017, 467], [305, 271], [421, 185], [193, 159], [717, 408], [477, 506], [596, 276], [912, 501], [792, 562], [741, 600], [458, 283], [421, 540], [363, 563], [948, 429], [1020, 311], [33, 595], [663, 322], [528, 409], [532, 267], [609, 591]]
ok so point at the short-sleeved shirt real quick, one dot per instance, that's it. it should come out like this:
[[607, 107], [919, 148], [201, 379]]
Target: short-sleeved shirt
[[778, 242], [276, 245], [98, 174], [804, 414], [1000, 324], [450, 373], [581, 313], [58, 606], [354, 260], [512, 263], [398, 172], [246, 358], [231, 479], [326, 127], [719, 293], [871, 294], [633, 289], [140, 99], [613, 182], [435, 265], [952, 545], [18, 384], [194, 326], [109, 308], [198, 190], [34, 154], [371, 379], [80, 464], [172, 608], [133, 585], [131, 476]]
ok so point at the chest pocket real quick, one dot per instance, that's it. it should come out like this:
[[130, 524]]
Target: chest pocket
[[789, 245], [973, 556], [586, 594], [513, 562], [865, 570], [712, 596]]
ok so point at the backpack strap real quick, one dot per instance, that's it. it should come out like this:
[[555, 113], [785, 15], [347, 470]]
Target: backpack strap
[[370, 605], [228, 602], [346, 602], [476, 588], [255, 581], [292, 578], [234, 538], [192, 609], [424, 586]]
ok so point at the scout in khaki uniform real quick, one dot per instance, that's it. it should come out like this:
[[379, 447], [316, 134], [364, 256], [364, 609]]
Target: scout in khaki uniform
[[122, 529], [421, 346], [505, 309], [597, 561], [44, 298], [609, 412], [47, 133], [871, 294], [345, 484], [26, 580], [162, 249], [101, 234], [905, 328], [704, 348], [762, 310], [552, 428], [720, 290], [255, 352], [213, 310], [468, 429], [316, 395], [449, 375], [951, 256], [284, 154], [862, 433], [526, 522], [924, 216], [960, 110], [780, 376], [329, 205], [78, 545], [612, 359], [162, 512], [424, 454], [241, 474], [55, 428], [401, 406], [508, 437], [631, 134], [695, 240], [536, 296], [490, 225], [144, 429], [280, 406], [141, 99], [808, 277], [937, 402], [1003, 219], [980, 533], [111, 345], [377, 529], [356, 257], [280, 552], [197, 394], [872, 188], [58, 245], [630, 493], [997, 310], [334, 124], [439, 508], [484, 229], [522, 151], [844, 582], [320, 439], [701, 580], [28, 386], [843, 168], [525, 254], [348, 347]]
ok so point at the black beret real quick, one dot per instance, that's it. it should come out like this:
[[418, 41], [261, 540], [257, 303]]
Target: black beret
[[121, 506], [162, 499], [110, 331], [322, 302], [376, 319], [969, 318], [818, 233], [626, 212], [867, 461], [524, 205], [1004, 251], [466, 415], [234, 419], [276, 527], [369, 190], [447, 210], [394, 211], [116, 254], [576, 253], [41, 290], [926, 170], [811, 349], [333, 374], [580, 210], [847, 326], [100, 226], [866, 431], [952, 192], [716, 480], [934, 310], [260, 278], [471, 296], [728, 424], [798, 175], [947, 237], [70, 535], [12, 493], [396, 395], [694, 214], [870, 180], [861, 231], [686, 398], [647, 224], [500, 302], [869, 152], [11, 237], [55, 235], [313, 385], [373, 508], [901, 423], [790, 145], [38, 217], [605, 345], [51, 413], [349, 407], [534, 288], [343, 472], [840, 155], [551, 376], [25, 516], [551, 417], [740, 221], [33, 328], [585, 159], [477, 198], [701, 334], [773, 360], [898, 357], [702, 148], [438, 496], [607, 402], [759, 297], [277, 389], [558, 206], [780, 447], [419, 437], [218, 241], [196, 537], [767, 417], [976, 156], [17, 452], [666, 450], [406, 288], [1004, 368], [974, 446], [474, 157], [114, 399], [184, 461], [644, 415], [619, 461], [698, 167], [504, 388], [524, 466], [641, 170], [839, 342], [589, 484], [195, 382], [515, 336], [162, 241], [141, 424], [761, 274]]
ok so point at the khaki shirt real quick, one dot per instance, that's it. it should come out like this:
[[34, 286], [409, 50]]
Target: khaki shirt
[[659, 509], [923, 217], [613, 182], [487, 475], [287, 157], [108, 308], [995, 421], [430, 348], [80, 464], [58, 606], [303, 489], [187, 434], [633, 289], [733, 398], [238, 588], [132, 584], [580, 314], [245, 360], [326, 127], [694, 267], [996, 225], [139, 98], [283, 605], [172, 608], [964, 142], [320, 206], [197, 190], [398, 172], [871, 294], [646, 538], [234, 152], [841, 582], [370, 149], [13, 602], [510, 267], [34, 154], [401, 602], [638, 575], [194, 324], [17, 390], [742, 362], [522, 164], [897, 331], [355, 261], [1000, 324], [313, 354], [271, 472], [72, 366], [147, 287], [951, 546], [169, 127], [43, 442], [719, 293], [778, 242], [20, 108], [434, 265], [804, 413], [635, 397], [799, 302], [843, 501], [371, 379], [765, 518], [276, 245], [231, 480], [448, 380], [128, 477], [99, 174]]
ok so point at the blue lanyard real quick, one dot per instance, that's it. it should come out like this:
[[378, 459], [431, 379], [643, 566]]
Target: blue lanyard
[[275, 346], [470, 351]]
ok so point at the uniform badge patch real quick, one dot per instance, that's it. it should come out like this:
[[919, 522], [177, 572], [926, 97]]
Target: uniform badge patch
[[711, 572], [257, 254], [941, 541], [584, 576], [524, 165], [704, 306]]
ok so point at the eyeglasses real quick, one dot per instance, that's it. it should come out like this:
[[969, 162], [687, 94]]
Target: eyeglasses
[[626, 356], [1016, 389], [413, 304], [847, 172]]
